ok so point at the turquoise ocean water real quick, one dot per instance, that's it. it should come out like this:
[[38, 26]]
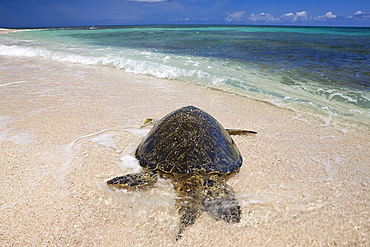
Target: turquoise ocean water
[[321, 70]]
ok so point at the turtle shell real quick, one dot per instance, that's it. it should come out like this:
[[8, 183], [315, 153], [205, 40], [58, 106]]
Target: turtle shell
[[189, 140]]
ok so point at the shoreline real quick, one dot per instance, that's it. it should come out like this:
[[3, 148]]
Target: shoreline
[[327, 104], [8, 30], [67, 128], [5, 30]]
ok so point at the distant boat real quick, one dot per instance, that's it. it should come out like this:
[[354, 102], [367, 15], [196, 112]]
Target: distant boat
[[93, 27]]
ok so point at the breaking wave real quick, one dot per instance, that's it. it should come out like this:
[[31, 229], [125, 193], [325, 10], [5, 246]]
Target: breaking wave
[[137, 66], [232, 69]]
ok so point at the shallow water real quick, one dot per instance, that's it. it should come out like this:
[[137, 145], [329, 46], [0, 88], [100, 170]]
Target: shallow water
[[318, 70], [289, 196]]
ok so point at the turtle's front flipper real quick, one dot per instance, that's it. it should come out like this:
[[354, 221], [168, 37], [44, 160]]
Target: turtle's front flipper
[[135, 179], [240, 132], [219, 201]]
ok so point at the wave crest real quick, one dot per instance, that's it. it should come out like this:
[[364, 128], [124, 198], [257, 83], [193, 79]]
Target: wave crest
[[137, 66]]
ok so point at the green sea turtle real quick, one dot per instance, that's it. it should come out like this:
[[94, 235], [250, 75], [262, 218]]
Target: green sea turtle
[[192, 149]]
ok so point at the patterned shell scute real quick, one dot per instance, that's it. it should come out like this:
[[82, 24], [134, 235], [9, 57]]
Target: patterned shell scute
[[189, 140]]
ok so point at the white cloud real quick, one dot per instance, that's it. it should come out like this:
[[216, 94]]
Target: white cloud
[[297, 17], [263, 17], [287, 17], [360, 16], [330, 15], [235, 16], [300, 16], [327, 16]]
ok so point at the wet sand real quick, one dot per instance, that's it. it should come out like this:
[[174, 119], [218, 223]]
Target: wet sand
[[65, 129], [7, 30]]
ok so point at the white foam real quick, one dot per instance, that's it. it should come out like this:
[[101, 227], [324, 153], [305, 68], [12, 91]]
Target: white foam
[[129, 163], [70, 156], [300, 119], [105, 140], [344, 131], [130, 60], [329, 118], [363, 95], [349, 99], [9, 134], [21, 138], [337, 160], [138, 132], [5, 120], [11, 83], [216, 73], [327, 137], [358, 111], [327, 169]]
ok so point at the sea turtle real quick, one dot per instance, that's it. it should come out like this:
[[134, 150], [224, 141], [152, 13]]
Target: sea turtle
[[192, 149]]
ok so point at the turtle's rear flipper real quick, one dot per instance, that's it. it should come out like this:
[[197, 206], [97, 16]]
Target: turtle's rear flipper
[[227, 209], [135, 179], [219, 202], [240, 132], [189, 201], [189, 213]]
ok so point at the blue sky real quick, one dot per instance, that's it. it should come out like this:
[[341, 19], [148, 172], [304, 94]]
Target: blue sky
[[48, 13]]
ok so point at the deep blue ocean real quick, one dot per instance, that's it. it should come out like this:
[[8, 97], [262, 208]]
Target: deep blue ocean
[[324, 70]]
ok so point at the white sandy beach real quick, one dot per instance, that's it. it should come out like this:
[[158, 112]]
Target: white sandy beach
[[64, 129], [7, 30]]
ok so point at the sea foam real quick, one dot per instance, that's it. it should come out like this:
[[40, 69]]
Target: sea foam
[[137, 66], [240, 66]]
